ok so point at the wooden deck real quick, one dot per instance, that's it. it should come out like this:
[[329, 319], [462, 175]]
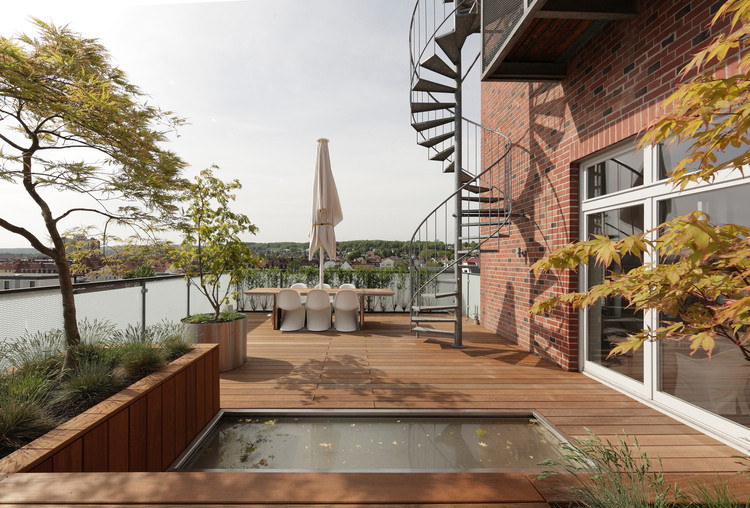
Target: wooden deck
[[385, 367]]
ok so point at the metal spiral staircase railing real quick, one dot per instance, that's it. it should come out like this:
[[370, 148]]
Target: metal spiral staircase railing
[[479, 210]]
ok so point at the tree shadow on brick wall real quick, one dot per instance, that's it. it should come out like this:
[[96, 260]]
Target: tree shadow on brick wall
[[545, 195]]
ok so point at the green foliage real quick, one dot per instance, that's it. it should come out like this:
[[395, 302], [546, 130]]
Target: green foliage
[[139, 359], [211, 248], [88, 384], [606, 474], [175, 347], [144, 270], [383, 248], [700, 286], [21, 422], [223, 317], [39, 392]]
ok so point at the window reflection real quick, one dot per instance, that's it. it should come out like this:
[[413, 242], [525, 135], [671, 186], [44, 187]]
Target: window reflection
[[624, 171], [670, 156], [721, 384], [610, 320]]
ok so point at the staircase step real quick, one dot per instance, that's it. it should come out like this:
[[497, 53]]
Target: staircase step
[[429, 124], [429, 143], [446, 295], [425, 85], [420, 107], [422, 319], [433, 308], [484, 212], [441, 156], [438, 65], [483, 199], [466, 24], [450, 46], [465, 177], [422, 329], [498, 222], [477, 189], [477, 238]]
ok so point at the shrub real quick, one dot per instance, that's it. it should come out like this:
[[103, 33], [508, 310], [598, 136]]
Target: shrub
[[21, 421], [618, 474], [211, 318], [174, 347], [88, 384], [140, 359]]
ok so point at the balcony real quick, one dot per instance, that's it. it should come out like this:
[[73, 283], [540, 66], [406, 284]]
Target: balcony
[[525, 40], [380, 367]]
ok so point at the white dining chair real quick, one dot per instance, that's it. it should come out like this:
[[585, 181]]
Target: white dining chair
[[300, 285], [292, 311], [325, 286], [346, 307], [347, 286], [318, 308]]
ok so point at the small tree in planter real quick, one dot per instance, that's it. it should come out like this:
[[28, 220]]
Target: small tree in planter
[[211, 250]]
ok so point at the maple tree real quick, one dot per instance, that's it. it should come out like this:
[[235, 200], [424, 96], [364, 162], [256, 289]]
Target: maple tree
[[701, 286], [71, 122]]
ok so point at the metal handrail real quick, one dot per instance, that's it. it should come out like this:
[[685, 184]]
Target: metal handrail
[[506, 194]]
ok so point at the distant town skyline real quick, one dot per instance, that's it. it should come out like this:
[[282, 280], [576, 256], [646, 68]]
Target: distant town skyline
[[259, 83]]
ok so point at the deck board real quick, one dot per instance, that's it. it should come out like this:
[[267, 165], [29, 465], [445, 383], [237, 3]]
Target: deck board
[[383, 366]]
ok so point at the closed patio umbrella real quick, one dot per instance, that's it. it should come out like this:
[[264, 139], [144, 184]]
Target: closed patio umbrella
[[326, 207]]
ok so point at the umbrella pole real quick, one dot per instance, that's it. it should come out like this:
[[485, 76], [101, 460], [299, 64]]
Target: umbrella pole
[[321, 268]]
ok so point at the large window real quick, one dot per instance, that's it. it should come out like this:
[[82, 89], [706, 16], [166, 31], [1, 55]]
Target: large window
[[625, 193], [720, 384], [611, 320], [619, 172]]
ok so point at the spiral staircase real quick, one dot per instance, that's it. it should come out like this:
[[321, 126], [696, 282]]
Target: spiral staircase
[[475, 217]]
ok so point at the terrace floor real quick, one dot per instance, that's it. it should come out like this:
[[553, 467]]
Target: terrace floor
[[386, 367]]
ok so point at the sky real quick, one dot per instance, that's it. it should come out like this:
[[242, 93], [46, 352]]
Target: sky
[[259, 82]]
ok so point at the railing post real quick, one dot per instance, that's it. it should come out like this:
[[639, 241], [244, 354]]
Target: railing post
[[144, 290], [458, 169], [188, 297]]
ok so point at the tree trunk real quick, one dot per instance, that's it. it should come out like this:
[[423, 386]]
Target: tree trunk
[[70, 323], [70, 320]]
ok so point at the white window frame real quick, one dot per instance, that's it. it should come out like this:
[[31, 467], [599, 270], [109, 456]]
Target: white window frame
[[649, 195]]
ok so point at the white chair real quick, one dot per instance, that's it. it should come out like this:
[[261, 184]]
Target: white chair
[[325, 286], [300, 285], [346, 306], [318, 311], [347, 286], [292, 311]]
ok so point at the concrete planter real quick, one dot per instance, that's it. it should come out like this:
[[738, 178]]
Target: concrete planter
[[142, 428], [231, 336]]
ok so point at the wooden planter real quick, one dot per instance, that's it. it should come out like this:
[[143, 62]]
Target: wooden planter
[[231, 336], [142, 428]]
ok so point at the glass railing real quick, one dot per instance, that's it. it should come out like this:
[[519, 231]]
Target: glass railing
[[126, 302], [151, 300]]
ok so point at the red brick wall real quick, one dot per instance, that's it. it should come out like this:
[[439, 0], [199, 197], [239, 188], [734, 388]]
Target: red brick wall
[[615, 86]]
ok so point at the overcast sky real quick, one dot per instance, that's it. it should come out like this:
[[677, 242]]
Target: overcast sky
[[260, 82]]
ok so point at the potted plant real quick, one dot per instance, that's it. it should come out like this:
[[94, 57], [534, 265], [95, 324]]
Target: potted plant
[[215, 259]]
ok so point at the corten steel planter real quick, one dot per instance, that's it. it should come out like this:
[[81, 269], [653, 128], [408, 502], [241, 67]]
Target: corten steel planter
[[231, 336], [142, 428]]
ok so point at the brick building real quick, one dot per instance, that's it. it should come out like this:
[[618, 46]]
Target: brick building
[[573, 90]]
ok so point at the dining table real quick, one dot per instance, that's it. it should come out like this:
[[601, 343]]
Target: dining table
[[361, 292]]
